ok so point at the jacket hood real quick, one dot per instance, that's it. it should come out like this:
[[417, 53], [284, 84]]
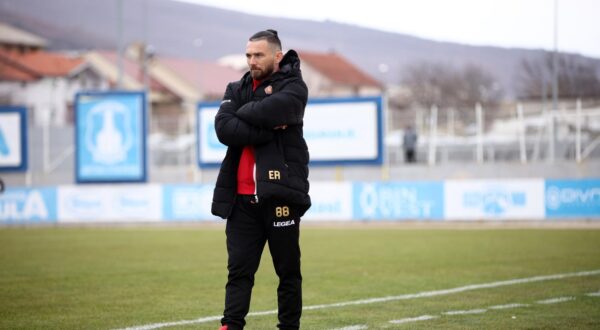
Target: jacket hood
[[290, 64]]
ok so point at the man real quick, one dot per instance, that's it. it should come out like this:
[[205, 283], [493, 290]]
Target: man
[[262, 187], [409, 143]]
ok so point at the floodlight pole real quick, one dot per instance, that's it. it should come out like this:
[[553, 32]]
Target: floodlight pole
[[522, 142], [385, 173], [194, 129], [147, 52], [555, 60], [120, 44], [551, 154], [578, 132], [433, 135], [479, 118]]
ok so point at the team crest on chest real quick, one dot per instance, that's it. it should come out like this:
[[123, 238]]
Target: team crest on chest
[[269, 90]]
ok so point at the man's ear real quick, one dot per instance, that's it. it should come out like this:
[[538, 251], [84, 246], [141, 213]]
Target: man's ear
[[278, 57]]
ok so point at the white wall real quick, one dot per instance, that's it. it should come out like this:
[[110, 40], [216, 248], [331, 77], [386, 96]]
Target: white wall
[[48, 99]]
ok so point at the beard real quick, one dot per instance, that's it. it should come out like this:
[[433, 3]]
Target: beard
[[261, 74]]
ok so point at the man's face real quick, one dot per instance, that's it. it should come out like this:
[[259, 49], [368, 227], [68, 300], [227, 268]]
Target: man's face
[[262, 59]]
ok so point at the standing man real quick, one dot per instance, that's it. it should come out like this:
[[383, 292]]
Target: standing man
[[409, 143], [262, 187]]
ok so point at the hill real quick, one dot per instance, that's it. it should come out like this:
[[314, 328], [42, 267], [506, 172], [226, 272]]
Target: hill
[[174, 28]]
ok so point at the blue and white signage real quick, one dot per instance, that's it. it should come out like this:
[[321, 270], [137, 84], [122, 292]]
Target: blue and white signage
[[337, 131], [573, 198], [109, 203], [187, 202], [331, 201], [344, 130], [13, 139], [110, 137], [494, 199], [514, 199], [210, 150], [24, 205], [398, 201]]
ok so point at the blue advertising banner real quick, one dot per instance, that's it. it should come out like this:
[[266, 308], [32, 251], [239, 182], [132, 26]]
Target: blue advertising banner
[[506, 199], [398, 200], [187, 202], [109, 203], [210, 150], [110, 137], [572, 198], [24, 205], [357, 139], [13, 139]]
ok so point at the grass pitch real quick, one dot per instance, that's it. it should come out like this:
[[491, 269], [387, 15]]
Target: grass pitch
[[106, 278]]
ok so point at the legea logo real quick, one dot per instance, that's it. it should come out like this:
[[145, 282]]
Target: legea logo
[[108, 136]]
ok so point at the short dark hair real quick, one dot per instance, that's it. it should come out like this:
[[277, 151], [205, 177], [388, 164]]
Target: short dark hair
[[270, 36]]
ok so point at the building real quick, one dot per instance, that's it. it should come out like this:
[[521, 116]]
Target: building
[[18, 40], [330, 74], [45, 83], [176, 84]]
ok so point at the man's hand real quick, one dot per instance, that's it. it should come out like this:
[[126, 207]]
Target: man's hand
[[280, 127]]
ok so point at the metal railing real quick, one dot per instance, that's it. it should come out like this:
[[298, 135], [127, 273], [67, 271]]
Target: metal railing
[[568, 134]]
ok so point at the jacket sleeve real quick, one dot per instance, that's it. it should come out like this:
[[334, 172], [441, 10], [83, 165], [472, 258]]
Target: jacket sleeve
[[233, 131], [284, 107]]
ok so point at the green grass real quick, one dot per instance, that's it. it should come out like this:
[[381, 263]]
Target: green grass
[[103, 278]]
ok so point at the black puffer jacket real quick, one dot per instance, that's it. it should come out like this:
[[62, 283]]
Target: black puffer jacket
[[248, 117]]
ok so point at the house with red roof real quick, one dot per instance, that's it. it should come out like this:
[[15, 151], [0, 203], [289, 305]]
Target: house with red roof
[[330, 74], [45, 83]]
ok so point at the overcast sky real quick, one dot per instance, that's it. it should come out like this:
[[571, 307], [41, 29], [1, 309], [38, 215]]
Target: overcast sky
[[505, 23]]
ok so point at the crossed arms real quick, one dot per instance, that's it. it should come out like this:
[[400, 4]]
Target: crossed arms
[[254, 122]]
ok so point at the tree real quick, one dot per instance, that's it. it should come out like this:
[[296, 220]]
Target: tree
[[477, 85], [445, 86], [577, 77]]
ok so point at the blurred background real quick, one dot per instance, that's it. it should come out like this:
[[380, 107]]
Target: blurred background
[[482, 89]]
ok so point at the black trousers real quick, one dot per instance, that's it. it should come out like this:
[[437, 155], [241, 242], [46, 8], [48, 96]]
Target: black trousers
[[249, 227], [409, 155]]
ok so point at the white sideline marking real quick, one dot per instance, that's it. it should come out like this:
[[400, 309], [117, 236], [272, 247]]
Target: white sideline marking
[[175, 323], [483, 310], [353, 327], [508, 306], [555, 300], [593, 294], [470, 311], [385, 299], [414, 319]]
